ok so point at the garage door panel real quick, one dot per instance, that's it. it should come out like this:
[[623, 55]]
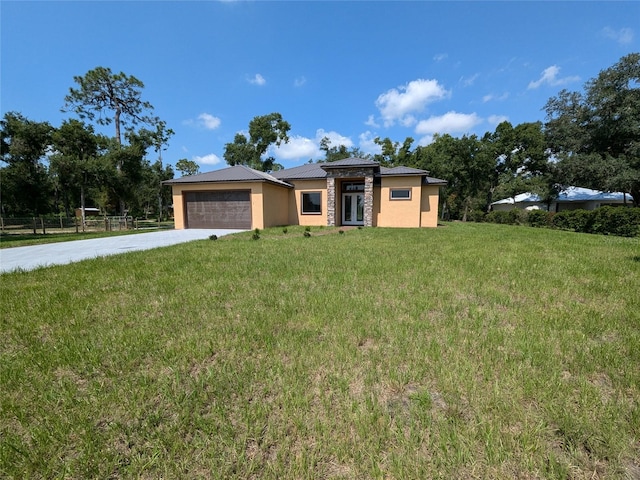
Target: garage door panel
[[219, 209]]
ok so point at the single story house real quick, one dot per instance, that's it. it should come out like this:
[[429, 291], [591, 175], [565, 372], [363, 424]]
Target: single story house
[[571, 198], [353, 191]]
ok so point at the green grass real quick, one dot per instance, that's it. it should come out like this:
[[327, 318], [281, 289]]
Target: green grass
[[469, 351]]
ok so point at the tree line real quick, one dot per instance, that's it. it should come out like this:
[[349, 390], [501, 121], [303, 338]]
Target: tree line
[[53, 170], [588, 139]]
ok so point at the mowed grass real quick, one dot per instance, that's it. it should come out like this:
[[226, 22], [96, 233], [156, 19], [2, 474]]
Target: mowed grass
[[468, 351]]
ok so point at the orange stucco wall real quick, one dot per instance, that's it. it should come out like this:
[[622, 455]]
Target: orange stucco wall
[[275, 204], [398, 213], [429, 206], [272, 205], [295, 202]]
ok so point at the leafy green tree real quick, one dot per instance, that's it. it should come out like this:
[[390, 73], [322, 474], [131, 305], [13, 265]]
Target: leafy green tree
[[26, 187], [520, 160], [187, 167], [160, 139], [100, 92], [76, 161], [339, 152], [595, 135], [264, 131], [393, 153]]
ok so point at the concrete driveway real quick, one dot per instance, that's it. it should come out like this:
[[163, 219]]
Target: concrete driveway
[[31, 257]]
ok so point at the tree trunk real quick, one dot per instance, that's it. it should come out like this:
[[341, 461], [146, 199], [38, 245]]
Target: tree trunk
[[84, 216]]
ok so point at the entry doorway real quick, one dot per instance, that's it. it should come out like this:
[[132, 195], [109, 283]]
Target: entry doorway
[[353, 208]]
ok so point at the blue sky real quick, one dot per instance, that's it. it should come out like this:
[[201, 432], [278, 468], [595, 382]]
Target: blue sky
[[351, 71]]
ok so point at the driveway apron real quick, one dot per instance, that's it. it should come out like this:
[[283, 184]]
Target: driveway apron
[[35, 256]]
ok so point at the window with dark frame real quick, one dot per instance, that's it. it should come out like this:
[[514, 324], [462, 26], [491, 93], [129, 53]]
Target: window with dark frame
[[311, 203], [400, 194]]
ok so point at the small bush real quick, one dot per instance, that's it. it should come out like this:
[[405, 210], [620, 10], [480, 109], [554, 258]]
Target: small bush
[[476, 216], [498, 216], [256, 234], [341, 232], [621, 221], [574, 220], [307, 233], [307, 228], [538, 218], [285, 230], [213, 237]]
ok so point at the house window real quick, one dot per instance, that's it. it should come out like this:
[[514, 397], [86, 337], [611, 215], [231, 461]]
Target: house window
[[400, 194], [311, 203]]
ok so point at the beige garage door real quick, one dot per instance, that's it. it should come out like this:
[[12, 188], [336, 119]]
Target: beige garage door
[[220, 209]]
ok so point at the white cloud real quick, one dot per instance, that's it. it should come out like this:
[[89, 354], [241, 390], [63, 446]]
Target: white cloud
[[492, 97], [622, 36], [371, 122], [257, 80], [211, 159], [304, 148], [550, 77], [208, 121], [469, 81], [397, 103], [298, 147], [334, 137], [300, 81], [450, 122], [440, 56], [497, 119], [367, 144]]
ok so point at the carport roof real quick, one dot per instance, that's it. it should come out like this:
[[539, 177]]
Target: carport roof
[[237, 173]]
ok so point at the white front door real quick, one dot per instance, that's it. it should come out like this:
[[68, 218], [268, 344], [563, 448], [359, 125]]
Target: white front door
[[353, 208]]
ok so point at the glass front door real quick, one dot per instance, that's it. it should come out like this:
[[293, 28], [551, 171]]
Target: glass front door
[[353, 208]]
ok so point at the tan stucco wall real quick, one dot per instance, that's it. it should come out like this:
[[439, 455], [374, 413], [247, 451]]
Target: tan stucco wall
[[397, 213], [257, 215], [295, 202], [429, 206], [275, 203]]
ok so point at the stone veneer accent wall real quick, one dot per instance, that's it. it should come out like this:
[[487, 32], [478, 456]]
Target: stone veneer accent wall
[[368, 201], [331, 202], [352, 173]]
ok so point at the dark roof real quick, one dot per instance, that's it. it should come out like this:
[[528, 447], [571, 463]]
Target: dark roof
[[237, 173], [306, 171], [401, 171], [434, 181], [350, 162]]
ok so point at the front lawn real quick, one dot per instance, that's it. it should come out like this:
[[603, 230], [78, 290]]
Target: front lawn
[[468, 351]]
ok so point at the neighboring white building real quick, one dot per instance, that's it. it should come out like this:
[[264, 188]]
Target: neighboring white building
[[572, 198]]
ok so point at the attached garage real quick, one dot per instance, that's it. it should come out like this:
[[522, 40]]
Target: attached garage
[[218, 209]]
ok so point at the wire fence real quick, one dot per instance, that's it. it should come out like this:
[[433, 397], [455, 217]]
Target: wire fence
[[35, 225]]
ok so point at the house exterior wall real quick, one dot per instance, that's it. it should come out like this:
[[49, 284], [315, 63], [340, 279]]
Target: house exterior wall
[[295, 202], [272, 205], [398, 213], [429, 206], [275, 203], [257, 215]]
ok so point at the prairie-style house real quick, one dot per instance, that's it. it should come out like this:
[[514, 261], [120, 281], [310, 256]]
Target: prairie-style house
[[353, 191]]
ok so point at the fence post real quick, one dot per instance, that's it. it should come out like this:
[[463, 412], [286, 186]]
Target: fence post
[[61, 226], [106, 224], [34, 225], [75, 221], [42, 225], [2, 224]]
